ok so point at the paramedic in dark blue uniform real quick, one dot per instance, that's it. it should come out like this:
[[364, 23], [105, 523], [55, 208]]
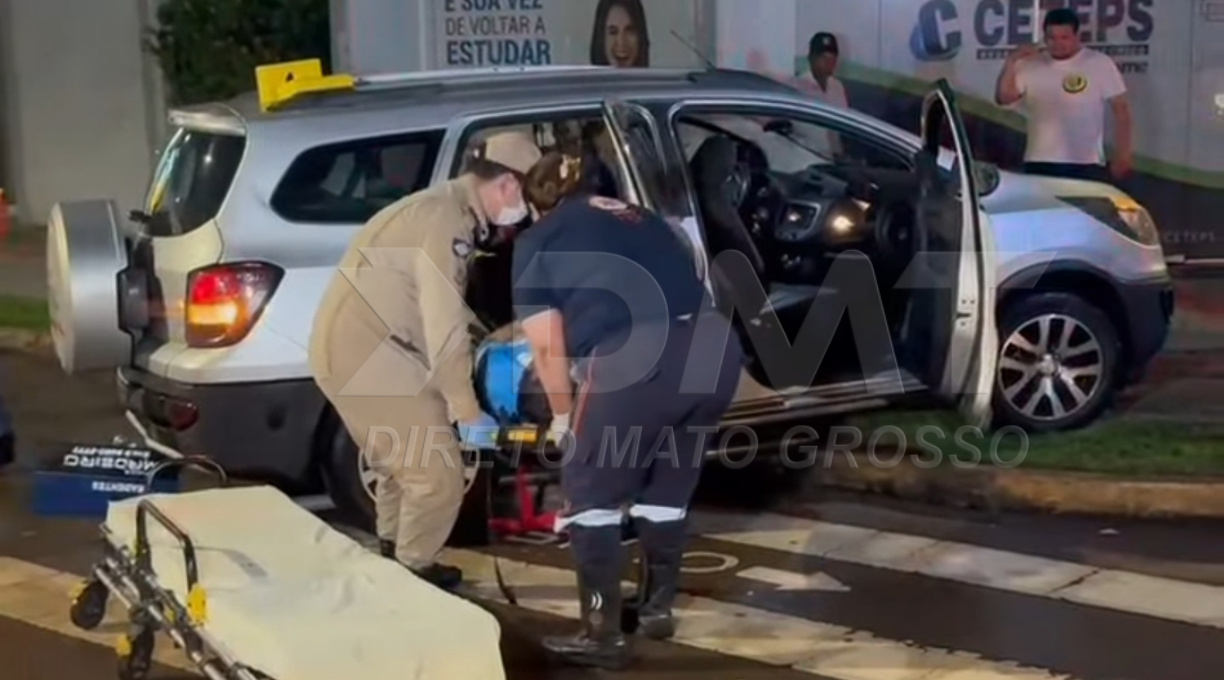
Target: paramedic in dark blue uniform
[[655, 368]]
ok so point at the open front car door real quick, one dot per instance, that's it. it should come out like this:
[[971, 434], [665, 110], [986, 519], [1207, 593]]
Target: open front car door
[[951, 328]]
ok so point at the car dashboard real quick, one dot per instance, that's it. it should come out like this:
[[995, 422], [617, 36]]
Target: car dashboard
[[800, 221]]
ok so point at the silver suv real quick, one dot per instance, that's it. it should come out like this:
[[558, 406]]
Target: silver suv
[[1037, 299]]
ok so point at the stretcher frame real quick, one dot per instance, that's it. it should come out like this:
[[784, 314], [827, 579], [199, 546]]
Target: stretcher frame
[[125, 572], [514, 462]]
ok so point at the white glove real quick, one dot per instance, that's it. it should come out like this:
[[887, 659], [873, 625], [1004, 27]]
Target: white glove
[[559, 427]]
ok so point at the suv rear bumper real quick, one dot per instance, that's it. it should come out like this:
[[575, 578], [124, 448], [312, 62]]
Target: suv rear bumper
[[259, 431]]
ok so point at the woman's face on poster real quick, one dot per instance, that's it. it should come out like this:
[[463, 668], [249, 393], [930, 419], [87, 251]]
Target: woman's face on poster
[[621, 39]]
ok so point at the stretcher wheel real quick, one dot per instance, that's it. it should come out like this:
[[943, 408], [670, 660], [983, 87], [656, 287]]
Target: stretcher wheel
[[89, 605], [136, 655]]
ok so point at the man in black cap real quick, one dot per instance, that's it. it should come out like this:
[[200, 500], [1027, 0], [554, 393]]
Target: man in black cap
[[822, 61]]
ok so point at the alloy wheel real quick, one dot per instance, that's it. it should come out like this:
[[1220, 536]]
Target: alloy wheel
[[1051, 367], [369, 478]]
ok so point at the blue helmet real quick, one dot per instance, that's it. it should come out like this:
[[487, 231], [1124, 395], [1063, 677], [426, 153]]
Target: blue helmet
[[502, 369]]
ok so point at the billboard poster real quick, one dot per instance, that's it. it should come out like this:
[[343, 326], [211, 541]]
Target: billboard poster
[[1171, 55], [510, 33]]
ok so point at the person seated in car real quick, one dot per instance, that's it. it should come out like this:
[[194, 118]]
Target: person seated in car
[[582, 140]]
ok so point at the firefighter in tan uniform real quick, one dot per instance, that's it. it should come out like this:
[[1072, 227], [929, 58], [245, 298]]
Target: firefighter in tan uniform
[[391, 351]]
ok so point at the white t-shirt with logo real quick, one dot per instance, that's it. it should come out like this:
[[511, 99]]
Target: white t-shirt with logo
[[1066, 102]]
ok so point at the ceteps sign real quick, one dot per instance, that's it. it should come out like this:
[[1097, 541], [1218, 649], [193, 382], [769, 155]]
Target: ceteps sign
[[944, 29]]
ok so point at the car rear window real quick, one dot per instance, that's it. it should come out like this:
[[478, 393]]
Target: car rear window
[[191, 182], [348, 183]]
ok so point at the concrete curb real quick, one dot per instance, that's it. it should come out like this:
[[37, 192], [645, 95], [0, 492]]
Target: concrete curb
[[993, 488], [23, 340]]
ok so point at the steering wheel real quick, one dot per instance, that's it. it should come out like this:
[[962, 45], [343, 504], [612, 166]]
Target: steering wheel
[[760, 203]]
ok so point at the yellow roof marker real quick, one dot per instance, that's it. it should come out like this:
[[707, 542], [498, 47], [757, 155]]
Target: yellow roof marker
[[280, 83]]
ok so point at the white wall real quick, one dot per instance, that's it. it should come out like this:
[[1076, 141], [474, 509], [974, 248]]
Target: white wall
[[80, 112]]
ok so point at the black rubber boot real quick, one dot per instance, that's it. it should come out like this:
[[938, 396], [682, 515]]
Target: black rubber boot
[[440, 575], [443, 576], [600, 642], [662, 553]]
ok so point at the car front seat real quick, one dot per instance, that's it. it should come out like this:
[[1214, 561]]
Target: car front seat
[[712, 167]]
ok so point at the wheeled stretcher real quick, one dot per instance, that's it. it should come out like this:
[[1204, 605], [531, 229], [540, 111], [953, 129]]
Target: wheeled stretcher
[[251, 586]]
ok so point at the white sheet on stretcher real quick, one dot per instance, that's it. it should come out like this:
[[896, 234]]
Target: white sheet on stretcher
[[291, 597]]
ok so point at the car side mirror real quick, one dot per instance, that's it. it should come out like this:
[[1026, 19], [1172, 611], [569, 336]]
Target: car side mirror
[[986, 176]]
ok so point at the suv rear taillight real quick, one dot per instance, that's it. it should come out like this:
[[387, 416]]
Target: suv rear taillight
[[224, 301]]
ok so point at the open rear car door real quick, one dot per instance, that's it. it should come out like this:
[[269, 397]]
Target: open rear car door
[[952, 322]]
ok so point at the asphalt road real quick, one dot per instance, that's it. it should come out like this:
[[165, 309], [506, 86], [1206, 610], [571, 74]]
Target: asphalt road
[[780, 583]]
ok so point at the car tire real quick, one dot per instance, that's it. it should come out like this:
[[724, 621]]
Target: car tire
[[343, 474], [350, 484], [1087, 359]]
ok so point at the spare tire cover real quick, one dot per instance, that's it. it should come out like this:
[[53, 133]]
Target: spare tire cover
[[85, 253], [506, 383]]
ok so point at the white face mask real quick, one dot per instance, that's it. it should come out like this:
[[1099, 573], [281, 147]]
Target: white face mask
[[511, 215]]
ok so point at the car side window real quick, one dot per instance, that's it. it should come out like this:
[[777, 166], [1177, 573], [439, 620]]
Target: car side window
[[583, 134], [348, 183], [192, 180]]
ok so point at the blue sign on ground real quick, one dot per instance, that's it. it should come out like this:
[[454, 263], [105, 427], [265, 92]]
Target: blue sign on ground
[[85, 478]]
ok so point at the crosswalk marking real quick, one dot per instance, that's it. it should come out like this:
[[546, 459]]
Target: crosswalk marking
[[749, 633], [1163, 598], [787, 581], [40, 596]]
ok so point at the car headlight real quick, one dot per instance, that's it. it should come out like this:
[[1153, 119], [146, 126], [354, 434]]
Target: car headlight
[[1122, 214]]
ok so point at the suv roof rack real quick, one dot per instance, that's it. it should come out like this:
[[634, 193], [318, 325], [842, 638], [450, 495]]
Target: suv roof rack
[[291, 84], [471, 74], [281, 84]]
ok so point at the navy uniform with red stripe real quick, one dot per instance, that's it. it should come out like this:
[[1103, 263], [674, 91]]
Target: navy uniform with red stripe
[[656, 368]]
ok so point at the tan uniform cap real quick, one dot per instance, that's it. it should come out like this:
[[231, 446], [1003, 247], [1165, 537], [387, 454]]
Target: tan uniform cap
[[515, 150]]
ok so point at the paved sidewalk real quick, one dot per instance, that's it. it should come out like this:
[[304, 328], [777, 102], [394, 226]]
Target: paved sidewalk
[[1181, 385], [1198, 323]]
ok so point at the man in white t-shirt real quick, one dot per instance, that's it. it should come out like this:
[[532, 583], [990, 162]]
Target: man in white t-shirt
[[1066, 89], [823, 53]]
